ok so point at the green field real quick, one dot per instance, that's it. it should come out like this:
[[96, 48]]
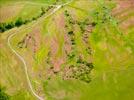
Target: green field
[[83, 50]]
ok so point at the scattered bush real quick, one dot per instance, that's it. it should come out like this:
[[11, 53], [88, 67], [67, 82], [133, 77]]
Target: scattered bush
[[70, 32], [66, 13], [71, 55], [93, 24], [43, 10]]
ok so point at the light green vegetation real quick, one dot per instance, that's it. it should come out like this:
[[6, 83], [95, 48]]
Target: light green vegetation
[[109, 45], [112, 53], [113, 65], [41, 54], [29, 11], [24, 10], [11, 72], [110, 85], [22, 95], [3, 94]]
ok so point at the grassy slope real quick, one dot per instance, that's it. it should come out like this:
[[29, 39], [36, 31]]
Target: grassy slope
[[112, 76], [24, 9], [112, 73], [12, 74]]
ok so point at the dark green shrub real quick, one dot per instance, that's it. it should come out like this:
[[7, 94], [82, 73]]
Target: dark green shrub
[[9, 25], [2, 27], [19, 22], [3, 94], [66, 13], [70, 32]]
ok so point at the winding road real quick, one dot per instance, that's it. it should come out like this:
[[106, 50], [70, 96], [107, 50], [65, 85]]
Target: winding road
[[21, 58]]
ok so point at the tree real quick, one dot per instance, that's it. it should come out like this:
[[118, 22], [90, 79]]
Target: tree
[[9, 25], [19, 22], [2, 27], [43, 11], [66, 13]]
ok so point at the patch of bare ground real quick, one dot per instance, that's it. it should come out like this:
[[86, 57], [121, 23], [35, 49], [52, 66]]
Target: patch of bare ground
[[57, 64], [56, 61], [122, 6], [67, 46], [31, 40], [123, 9], [35, 39], [59, 21], [1, 44], [54, 45], [125, 25], [86, 34]]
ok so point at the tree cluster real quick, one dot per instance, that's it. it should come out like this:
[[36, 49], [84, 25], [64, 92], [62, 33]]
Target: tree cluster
[[80, 69], [10, 25]]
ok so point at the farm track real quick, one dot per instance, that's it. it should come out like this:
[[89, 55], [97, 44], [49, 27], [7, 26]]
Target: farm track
[[21, 58]]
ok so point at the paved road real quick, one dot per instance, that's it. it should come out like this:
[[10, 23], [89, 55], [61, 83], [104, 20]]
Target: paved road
[[22, 59]]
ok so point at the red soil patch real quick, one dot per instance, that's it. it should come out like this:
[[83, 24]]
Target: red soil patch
[[126, 24], [34, 39], [54, 46], [89, 28], [122, 5], [56, 61], [60, 21], [67, 45], [37, 37], [1, 45]]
